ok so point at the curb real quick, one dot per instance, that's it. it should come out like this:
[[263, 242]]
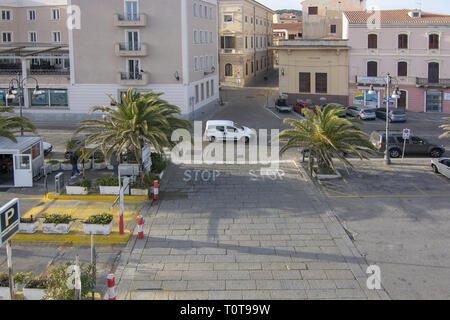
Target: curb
[[98, 197], [73, 237]]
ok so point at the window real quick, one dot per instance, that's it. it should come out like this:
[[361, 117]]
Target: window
[[210, 13], [372, 69], [201, 36], [212, 61], [6, 15], [252, 67], [403, 41], [206, 12], [246, 42], [194, 8], [251, 42], [228, 42], [333, 29], [207, 63], [212, 87], [200, 11], [246, 19], [228, 70], [196, 94], [433, 41], [32, 37], [227, 18], [201, 64], [49, 98], [195, 36], [55, 14], [321, 82], [305, 82], [195, 64], [56, 36], [372, 41], [31, 15], [251, 21], [256, 21], [6, 36], [246, 68], [402, 69], [202, 91], [207, 89], [313, 11], [210, 37], [433, 72]]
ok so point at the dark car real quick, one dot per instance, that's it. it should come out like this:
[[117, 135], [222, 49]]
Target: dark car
[[415, 145], [395, 115]]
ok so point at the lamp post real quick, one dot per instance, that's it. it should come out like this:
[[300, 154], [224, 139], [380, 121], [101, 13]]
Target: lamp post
[[395, 96], [13, 92]]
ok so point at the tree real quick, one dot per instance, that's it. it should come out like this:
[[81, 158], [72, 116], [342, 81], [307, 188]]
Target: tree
[[128, 125], [446, 127], [11, 124], [327, 136]]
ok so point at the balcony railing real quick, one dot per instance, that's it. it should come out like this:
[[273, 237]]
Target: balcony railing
[[133, 78], [10, 68], [131, 49], [50, 72], [130, 20], [425, 82]]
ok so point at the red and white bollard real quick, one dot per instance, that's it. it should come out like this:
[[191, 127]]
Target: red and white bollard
[[155, 190], [140, 226], [110, 278]]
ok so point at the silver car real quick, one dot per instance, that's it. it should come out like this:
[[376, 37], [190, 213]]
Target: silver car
[[442, 166], [363, 113]]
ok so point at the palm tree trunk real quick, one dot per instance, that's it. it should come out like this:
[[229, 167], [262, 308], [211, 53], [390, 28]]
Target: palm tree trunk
[[323, 167]]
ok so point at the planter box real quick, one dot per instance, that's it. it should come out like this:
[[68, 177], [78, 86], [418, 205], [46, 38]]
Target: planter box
[[56, 167], [56, 228], [28, 227], [327, 176], [33, 294], [4, 293], [139, 192], [109, 190], [99, 166], [110, 167], [66, 166], [75, 190], [97, 228]]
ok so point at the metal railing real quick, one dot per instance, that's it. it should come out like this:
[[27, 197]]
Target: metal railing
[[427, 82], [129, 17], [131, 76], [127, 46], [49, 71]]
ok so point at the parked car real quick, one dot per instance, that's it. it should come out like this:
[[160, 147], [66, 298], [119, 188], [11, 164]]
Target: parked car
[[282, 106], [442, 166], [48, 148], [363, 113], [336, 105], [414, 145], [301, 106], [394, 115], [227, 130]]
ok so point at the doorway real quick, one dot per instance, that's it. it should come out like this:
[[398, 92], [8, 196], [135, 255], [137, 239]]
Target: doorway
[[433, 72], [403, 101], [433, 101], [6, 170]]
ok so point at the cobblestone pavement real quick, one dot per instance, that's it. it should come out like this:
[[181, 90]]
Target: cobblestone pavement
[[242, 236]]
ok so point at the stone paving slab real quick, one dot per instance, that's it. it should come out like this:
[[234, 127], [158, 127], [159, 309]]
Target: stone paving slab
[[242, 237]]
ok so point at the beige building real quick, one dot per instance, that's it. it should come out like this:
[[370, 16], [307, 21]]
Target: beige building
[[323, 18], [162, 46], [315, 70], [245, 33]]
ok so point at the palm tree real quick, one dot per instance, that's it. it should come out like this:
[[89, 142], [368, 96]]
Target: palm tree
[[446, 127], [326, 135], [11, 124], [128, 125]]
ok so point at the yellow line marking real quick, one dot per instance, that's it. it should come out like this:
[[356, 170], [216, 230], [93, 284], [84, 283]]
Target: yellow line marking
[[74, 237], [394, 196]]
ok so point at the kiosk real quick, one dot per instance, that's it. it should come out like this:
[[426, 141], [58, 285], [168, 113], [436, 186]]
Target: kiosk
[[20, 161]]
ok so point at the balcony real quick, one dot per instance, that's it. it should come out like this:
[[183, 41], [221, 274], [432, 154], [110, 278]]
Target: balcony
[[228, 50], [425, 83], [10, 68], [130, 20], [127, 49], [132, 78]]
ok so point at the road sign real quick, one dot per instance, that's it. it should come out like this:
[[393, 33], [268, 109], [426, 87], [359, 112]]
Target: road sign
[[9, 220], [406, 133]]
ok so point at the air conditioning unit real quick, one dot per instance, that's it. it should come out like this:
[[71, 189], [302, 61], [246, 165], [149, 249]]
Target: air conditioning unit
[[415, 14]]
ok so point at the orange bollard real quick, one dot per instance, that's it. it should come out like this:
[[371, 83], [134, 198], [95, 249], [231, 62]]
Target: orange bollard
[[155, 190]]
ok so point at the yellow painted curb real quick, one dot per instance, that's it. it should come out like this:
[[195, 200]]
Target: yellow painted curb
[[73, 237], [93, 197]]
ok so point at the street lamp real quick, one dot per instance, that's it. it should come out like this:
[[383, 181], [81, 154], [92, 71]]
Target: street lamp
[[395, 95], [13, 92]]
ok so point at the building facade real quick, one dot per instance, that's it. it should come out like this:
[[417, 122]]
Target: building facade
[[412, 47], [156, 45], [323, 18], [245, 35]]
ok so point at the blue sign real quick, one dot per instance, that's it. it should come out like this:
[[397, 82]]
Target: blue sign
[[9, 220]]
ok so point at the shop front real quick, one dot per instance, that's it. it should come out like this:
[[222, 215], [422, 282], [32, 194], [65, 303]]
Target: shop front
[[20, 161]]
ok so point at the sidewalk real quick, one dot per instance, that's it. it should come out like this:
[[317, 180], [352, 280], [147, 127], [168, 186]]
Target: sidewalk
[[243, 236]]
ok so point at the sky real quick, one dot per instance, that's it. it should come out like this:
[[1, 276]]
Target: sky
[[437, 6]]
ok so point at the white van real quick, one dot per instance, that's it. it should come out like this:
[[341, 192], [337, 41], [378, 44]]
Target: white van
[[227, 130]]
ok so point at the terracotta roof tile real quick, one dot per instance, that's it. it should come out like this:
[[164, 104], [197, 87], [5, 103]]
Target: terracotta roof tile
[[287, 26], [397, 16]]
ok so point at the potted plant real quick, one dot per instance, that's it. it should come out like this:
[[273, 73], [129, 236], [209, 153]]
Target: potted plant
[[98, 224], [80, 188], [57, 223], [55, 165], [4, 287], [108, 186], [20, 279], [66, 165], [35, 289], [28, 225]]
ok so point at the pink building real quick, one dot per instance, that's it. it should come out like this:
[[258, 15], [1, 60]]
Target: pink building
[[412, 45]]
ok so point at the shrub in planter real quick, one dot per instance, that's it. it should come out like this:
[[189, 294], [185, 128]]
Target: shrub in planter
[[99, 164], [80, 188], [28, 225], [35, 289], [4, 287], [98, 224], [108, 186], [20, 279], [159, 164], [57, 223], [55, 164], [57, 283]]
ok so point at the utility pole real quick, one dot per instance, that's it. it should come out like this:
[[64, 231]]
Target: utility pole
[[387, 156]]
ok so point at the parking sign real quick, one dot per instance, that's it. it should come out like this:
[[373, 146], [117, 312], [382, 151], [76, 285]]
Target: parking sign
[[9, 220], [406, 133]]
